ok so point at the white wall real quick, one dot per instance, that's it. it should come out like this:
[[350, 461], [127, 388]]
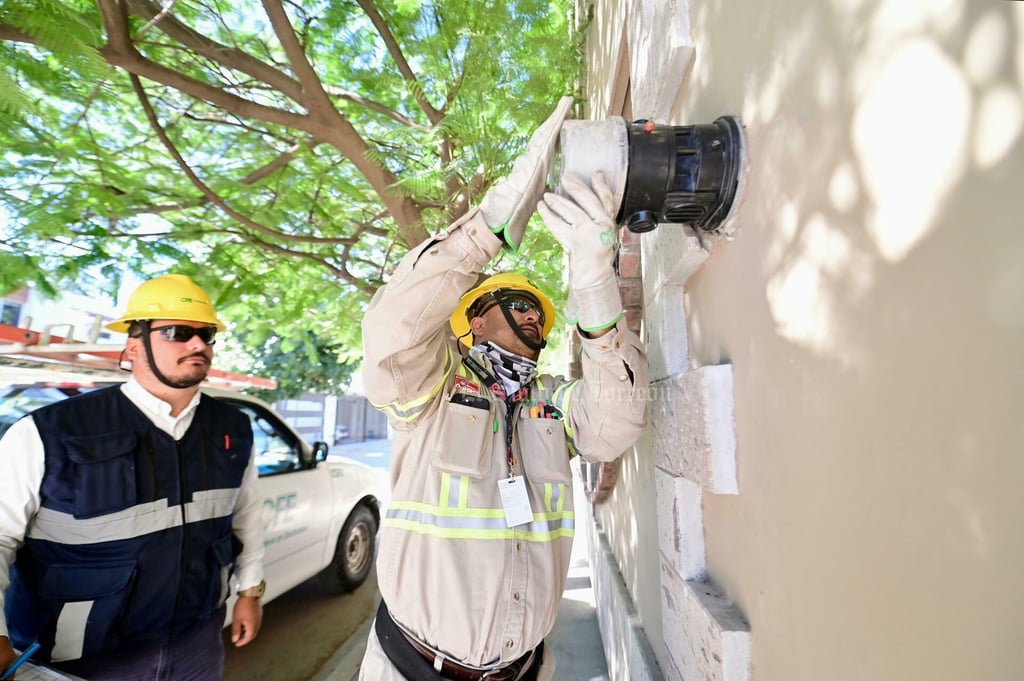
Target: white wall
[[870, 311]]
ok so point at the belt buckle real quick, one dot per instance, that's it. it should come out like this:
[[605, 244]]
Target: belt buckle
[[506, 673]]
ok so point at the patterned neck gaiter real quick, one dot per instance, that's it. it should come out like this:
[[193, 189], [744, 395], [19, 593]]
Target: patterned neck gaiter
[[512, 370]]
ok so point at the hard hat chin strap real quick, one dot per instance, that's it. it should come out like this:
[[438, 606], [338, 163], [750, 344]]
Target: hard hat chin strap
[[510, 320], [146, 343]]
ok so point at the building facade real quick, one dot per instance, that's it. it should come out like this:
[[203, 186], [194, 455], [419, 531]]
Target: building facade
[[829, 489]]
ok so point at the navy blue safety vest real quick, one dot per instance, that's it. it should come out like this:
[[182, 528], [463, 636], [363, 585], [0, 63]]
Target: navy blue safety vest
[[132, 542]]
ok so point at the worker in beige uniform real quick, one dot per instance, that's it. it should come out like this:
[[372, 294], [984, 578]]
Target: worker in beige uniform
[[476, 541]]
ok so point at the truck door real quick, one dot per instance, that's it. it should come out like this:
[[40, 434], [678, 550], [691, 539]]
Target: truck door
[[296, 501]]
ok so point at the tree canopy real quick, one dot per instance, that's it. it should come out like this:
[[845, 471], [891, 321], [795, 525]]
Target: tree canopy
[[283, 154]]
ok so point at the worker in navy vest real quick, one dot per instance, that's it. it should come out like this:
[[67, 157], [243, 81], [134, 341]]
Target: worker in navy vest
[[127, 512]]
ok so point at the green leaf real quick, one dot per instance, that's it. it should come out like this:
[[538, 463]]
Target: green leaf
[[295, 238]]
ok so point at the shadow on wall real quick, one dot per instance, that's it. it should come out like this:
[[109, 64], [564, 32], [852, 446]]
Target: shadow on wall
[[903, 110], [874, 373]]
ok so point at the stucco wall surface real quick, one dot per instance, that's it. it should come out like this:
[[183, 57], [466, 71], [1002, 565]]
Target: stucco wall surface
[[871, 307]]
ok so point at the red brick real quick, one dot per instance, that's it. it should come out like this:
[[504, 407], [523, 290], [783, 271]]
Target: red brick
[[629, 265], [631, 292], [628, 238]]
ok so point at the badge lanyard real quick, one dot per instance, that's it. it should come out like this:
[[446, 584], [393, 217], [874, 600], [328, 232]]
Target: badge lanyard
[[495, 386], [512, 489]]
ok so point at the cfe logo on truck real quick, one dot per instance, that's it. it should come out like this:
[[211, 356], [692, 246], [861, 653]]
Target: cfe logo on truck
[[278, 511]]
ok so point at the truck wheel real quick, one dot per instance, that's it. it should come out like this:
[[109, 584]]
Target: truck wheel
[[353, 556]]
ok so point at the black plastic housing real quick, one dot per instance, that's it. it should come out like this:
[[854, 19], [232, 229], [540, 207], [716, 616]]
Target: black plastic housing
[[681, 174]]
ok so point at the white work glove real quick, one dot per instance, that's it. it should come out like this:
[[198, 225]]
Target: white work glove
[[507, 207], [585, 226]]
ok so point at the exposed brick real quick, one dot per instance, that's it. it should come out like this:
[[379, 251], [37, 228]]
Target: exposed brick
[[629, 265], [632, 293], [628, 238], [607, 476]]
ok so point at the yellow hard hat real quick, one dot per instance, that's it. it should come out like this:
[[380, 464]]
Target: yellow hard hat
[[504, 282], [171, 296]]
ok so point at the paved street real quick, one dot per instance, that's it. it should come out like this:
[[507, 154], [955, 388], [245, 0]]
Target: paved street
[[302, 632], [376, 452]]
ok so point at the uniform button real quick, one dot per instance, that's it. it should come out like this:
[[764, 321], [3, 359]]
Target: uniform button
[[519, 546], [472, 231], [515, 597], [472, 419], [549, 431], [623, 378], [510, 643], [433, 251]]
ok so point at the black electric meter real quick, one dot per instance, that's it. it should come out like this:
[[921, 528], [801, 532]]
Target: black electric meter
[[686, 174]]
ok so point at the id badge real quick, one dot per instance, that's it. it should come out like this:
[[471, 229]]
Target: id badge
[[515, 501]]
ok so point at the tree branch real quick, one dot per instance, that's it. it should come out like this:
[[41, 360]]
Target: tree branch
[[373, 106], [120, 51], [433, 115], [340, 272], [164, 11], [235, 122], [267, 169], [325, 122], [230, 57], [210, 195], [10, 34], [315, 99]]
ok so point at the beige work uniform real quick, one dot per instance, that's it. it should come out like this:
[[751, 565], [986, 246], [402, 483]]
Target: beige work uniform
[[450, 570]]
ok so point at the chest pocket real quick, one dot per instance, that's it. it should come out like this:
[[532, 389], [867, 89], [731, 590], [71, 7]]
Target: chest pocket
[[544, 451], [226, 466], [103, 473], [462, 444]]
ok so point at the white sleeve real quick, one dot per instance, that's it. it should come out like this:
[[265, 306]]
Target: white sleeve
[[247, 525], [21, 475]]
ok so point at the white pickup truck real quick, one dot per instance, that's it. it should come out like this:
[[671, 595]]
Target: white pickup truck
[[320, 515]]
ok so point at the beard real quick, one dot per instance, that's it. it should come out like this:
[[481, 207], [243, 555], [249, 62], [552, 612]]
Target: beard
[[186, 382], [193, 375]]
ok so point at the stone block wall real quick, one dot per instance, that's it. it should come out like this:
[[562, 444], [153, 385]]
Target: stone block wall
[[694, 451]]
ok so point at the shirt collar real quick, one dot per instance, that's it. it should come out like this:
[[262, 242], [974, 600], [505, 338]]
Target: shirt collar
[[152, 405]]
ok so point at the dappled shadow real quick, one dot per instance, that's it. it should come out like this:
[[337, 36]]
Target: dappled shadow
[[302, 629]]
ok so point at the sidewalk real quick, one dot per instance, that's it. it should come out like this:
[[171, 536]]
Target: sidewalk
[[575, 640]]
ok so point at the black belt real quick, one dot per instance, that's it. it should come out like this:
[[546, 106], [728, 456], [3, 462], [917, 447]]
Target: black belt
[[416, 661]]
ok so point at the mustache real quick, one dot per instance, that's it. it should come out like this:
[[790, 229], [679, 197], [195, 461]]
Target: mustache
[[196, 355]]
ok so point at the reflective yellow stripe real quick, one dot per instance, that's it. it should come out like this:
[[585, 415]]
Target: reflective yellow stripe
[[410, 411], [448, 511], [562, 397], [445, 498], [554, 496], [446, 486], [454, 533], [476, 523]]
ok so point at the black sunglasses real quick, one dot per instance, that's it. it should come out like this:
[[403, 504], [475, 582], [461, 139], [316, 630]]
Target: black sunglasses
[[520, 304], [182, 333]]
